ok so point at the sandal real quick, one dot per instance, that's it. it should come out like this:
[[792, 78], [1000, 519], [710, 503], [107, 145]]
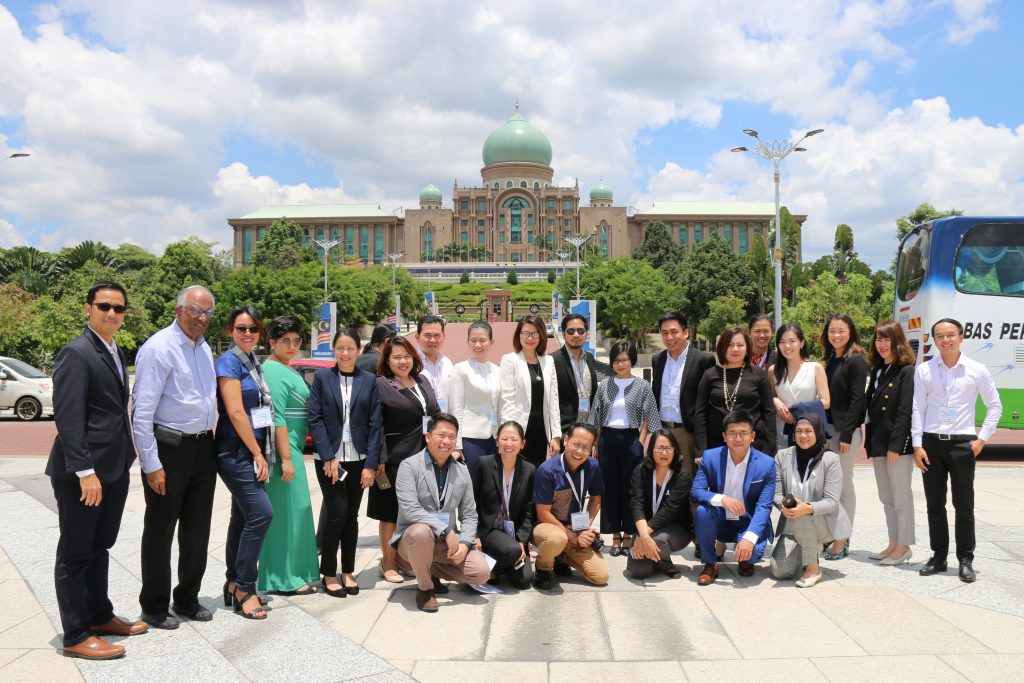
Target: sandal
[[229, 595], [307, 590], [258, 614]]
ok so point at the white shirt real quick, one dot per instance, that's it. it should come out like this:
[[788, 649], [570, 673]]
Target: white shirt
[[581, 371], [944, 399], [671, 380], [473, 394], [735, 474], [439, 374], [617, 417]]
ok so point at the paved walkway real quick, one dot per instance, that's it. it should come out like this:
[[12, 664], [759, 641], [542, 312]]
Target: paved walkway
[[864, 622]]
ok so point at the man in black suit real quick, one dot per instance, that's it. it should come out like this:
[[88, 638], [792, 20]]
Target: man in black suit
[[676, 373], [574, 370], [88, 469]]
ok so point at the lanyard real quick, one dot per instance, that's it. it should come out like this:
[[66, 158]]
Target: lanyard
[[415, 389], [655, 498], [506, 493], [578, 370], [256, 372], [583, 484], [442, 495]]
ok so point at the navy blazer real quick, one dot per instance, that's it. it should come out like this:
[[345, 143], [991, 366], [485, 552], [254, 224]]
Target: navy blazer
[[90, 407], [758, 487], [327, 414]]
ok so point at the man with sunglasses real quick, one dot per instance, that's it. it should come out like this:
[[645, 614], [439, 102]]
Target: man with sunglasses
[[574, 370], [88, 469], [174, 409]]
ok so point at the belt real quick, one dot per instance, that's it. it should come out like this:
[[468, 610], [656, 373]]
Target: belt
[[197, 435], [951, 437], [672, 425]]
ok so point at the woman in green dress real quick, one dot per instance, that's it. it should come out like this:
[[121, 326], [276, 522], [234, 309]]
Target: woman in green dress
[[288, 561]]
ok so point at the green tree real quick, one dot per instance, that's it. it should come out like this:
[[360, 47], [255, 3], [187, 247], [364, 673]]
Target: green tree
[[712, 270], [842, 250], [552, 276], [512, 278], [29, 268], [825, 296], [272, 292], [75, 258], [134, 257], [183, 263], [922, 214], [464, 278], [723, 311], [281, 246], [659, 249], [760, 270]]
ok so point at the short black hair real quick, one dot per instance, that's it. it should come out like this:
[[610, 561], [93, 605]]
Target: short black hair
[[442, 417], [105, 284], [283, 325], [754, 319], [678, 317], [951, 321], [736, 417], [574, 316], [427, 320], [381, 333], [626, 347], [244, 310], [350, 332], [588, 428]]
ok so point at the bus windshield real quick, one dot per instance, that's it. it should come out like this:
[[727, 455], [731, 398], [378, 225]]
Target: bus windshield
[[913, 264], [991, 260]]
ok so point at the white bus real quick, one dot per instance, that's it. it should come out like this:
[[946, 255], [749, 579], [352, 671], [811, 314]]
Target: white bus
[[970, 269]]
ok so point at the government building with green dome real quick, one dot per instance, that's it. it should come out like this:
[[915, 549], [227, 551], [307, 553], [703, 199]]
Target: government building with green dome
[[515, 216]]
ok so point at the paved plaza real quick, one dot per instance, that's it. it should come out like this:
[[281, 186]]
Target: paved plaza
[[864, 622]]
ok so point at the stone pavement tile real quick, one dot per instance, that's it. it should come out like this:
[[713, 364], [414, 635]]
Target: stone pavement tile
[[458, 630], [886, 622], [405, 665], [983, 668], [663, 625], [809, 632], [353, 616], [18, 604], [614, 671], [41, 665], [906, 668], [23, 545], [8, 655], [998, 632], [471, 672], [989, 594], [31, 515], [787, 670], [35, 632], [617, 579], [572, 628], [9, 572], [6, 487]]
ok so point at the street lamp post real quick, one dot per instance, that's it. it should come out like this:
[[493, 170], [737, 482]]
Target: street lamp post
[[326, 245], [393, 256], [578, 241], [775, 151], [16, 155]]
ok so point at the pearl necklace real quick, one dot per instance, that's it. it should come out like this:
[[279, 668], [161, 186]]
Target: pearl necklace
[[730, 401]]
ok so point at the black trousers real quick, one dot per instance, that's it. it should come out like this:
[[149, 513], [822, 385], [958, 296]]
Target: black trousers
[[191, 470], [339, 517], [950, 460], [506, 551], [87, 533]]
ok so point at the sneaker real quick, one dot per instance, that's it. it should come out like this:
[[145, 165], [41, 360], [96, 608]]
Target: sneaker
[[542, 580]]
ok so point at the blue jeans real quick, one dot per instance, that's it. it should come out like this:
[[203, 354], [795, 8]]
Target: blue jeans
[[251, 514], [710, 525]]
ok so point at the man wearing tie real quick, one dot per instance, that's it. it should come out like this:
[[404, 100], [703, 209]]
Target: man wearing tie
[[88, 469]]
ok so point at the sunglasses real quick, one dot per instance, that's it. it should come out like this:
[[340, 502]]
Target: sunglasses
[[576, 330], [106, 308], [246, 330]]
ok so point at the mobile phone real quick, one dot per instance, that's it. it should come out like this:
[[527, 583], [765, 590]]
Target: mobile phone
[[382, 481]]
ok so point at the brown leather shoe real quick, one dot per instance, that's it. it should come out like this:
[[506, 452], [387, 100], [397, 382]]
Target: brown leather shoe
[[439, 588], [94, 647], [746, 569], [119, 627], [426, 601], [708, 574]]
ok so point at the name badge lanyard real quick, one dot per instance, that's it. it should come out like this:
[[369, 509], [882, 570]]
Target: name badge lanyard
[[577, 366], [346, 399], [442, 495], [506, 492], [581, 496], [415, 389], [655, 498], [256, 373]]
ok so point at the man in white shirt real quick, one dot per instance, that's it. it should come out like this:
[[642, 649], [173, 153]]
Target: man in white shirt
[[946, 390], [575, 372], [436, 366]]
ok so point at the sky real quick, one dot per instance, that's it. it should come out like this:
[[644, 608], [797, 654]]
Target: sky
[[149, 122]]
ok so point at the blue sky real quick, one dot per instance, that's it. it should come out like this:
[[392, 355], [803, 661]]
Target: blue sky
[[148, 122]]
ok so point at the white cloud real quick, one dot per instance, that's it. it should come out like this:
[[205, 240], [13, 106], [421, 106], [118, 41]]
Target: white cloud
[[970, 17], [9, 235]]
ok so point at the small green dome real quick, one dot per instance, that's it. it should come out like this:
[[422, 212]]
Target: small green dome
[[517, 140], [601, 192], [430, 193]]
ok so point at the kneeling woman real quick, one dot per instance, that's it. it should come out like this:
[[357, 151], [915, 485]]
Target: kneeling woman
[[503, 488], [660, 501], [808, 478]]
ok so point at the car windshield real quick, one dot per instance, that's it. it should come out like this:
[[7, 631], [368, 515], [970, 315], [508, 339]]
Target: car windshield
[[24, 369]]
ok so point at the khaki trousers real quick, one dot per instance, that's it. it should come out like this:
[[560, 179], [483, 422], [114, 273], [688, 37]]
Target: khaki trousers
[[552, 543]]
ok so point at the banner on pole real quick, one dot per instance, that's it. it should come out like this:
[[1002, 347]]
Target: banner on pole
[[588, 309], [323, 331]]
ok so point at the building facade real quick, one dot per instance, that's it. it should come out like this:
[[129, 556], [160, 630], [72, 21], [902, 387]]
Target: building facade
[[515, 216]]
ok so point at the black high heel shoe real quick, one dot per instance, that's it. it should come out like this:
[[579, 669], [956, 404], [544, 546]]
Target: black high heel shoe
[[228, 597], [257, 614]]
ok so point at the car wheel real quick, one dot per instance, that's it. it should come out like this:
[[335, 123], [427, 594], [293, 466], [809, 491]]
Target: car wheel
[[27, 408]]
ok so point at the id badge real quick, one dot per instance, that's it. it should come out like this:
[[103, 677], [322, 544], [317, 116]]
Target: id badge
[[580, 520], [442, 403], [262, 417], [947, 415], [426, 423], [584, 405], [509, 528]]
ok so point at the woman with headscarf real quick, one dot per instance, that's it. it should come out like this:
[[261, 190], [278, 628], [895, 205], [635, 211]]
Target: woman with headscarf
[[808, 484]]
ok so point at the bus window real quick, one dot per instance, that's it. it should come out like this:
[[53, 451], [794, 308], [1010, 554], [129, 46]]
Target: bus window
[[991, 260], [913, 264]]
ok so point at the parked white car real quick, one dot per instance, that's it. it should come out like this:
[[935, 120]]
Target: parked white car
[[25, 389]]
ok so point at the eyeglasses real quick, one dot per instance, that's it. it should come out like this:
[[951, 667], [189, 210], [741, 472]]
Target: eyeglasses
[[288, 342], [663, 449], [199, 313], [106, 308], [529, 335], [735, 434], [620, 361], [242, 329], [576, 330]]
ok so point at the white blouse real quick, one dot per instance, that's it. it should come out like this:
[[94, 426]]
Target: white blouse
[[473, 399]]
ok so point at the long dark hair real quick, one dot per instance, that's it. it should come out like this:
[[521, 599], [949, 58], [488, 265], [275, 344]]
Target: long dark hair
[[893, 331], [781, 364], [851, 348], [677, 458]]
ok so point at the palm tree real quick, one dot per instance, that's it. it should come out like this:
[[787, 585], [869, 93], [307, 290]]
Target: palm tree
[[29, 268], [75, 258]]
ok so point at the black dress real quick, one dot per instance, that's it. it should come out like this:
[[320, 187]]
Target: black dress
[[536, 451], [754, 396]]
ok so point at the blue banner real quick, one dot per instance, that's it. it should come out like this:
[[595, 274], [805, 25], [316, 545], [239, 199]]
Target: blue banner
[[323, 331]]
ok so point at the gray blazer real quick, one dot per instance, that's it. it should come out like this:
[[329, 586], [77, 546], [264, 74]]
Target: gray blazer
[[826, 485], [416, 490]]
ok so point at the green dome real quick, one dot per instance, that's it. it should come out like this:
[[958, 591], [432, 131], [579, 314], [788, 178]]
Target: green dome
[[601, 191], [517, 140], [430, 193]]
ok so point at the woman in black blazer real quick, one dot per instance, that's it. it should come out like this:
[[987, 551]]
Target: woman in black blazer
[[406, 400], [890, 405], [660, 501], [847, 373], [736, 385], [345, 423], [503, 488]]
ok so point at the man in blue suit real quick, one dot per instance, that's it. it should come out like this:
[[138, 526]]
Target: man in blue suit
[[733, 490]]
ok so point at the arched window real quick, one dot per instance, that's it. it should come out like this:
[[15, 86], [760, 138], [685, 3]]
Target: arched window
[[508, 183], [602, 232], [516, 206], [428, 240], [536, 186], [522, 184], [496, 185]]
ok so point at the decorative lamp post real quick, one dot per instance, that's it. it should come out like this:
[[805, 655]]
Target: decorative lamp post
[[326, 245], [394, 256], [578, 241]]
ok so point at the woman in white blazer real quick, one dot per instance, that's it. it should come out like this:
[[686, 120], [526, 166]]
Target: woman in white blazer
[[529, 391], [473, 397]]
